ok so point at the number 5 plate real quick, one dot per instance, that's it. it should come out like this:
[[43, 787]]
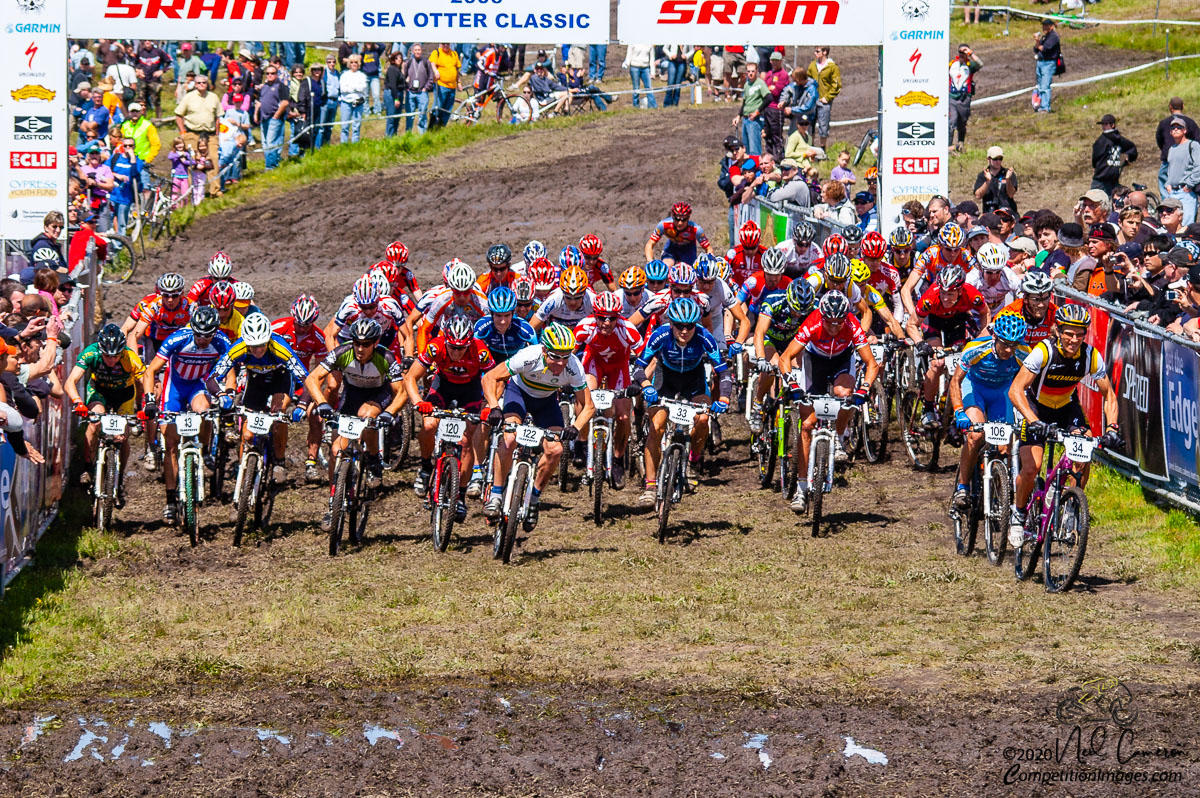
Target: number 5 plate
[[451, 429], [351, 428], [188, 424], [603, 399], [681, 413], [1079, 450], [877, 352], [259, 423], [827, 408], [997, 433], [529, 436], [112, 425]]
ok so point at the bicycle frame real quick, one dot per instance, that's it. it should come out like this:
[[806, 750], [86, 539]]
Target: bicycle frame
[[524, 460], [601, 420], [444, 443], [826, 409], [1077, 452], [262, 425], [996, 434], [190, 446], [681, 418]]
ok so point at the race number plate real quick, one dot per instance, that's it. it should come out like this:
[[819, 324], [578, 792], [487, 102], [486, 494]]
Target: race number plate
[[877, 352], [603, 400], [259, 423], [827, 408], [680, 413], [528, 435], [997, 433], [113, 425], [1079, 450], [451, 429], [951, 363], [188, 424], [351, 428]]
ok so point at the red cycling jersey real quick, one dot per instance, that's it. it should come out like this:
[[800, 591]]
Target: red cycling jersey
[[598, 270], [744, 264], [969, 299], [162, 321], [689, 233], [606, 355], [306, 346], [1035, 333], [885, 279], [818, 342], [754, 286], [468, 368]]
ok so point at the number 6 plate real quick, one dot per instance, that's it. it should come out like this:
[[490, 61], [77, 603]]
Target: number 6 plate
[[112, 425], [529, 436], [451, 429], [681, 413], [997, 433], [188, 424], [1079, 450], [603, 399], [259, 423], [951, 363], [351, 428]]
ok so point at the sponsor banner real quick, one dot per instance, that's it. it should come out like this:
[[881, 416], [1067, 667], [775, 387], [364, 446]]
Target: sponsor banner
[[510, 21], [833, 22], [913, 136], [33, 114], [1135, 365], [1181, 380], [273, 20]]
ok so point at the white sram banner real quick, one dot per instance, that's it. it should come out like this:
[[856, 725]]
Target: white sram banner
[[833, 22], [267, 20], [508, 21], [33, 116]]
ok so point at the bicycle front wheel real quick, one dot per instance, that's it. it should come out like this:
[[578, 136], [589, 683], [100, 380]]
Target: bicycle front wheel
[[513, 109], [666, 490], [999, 511], [1025, 556], [191, 494], [122, 260], [599, 473], [1067, 542], [467, 111], [966, 525], [337, 507], [446, 498], [107, 491], [816, 497], [246, 495], [507, 531]]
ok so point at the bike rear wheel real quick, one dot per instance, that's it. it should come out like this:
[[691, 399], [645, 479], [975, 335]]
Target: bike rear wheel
[[337, 507], [265, 498], [999, 511], [191, 503], [220, 455], [767, 453], [816, 498], [122, 260], [1066, 542], [514, 108], [247, 490], [445, 500], [666, 490], [507, 531], [599, 473], [467, 111], [107, 491], [875, 417]]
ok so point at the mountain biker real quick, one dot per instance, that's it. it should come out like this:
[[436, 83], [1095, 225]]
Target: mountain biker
[[243, 301], [632, 291], [188, 355], [527, 302], [1036, 307], [392, 283], [1044, 392], [366, 302], [222, 296], [979, 390], [822, 347], [591, 247], [948, 251], [779, 317], [998, 283], [836, 275], [499, 258], [457, 359], [800, 254], [683, 237], [853, 237], [882, 277], [501, 331], [302, 334], [681, 348], [220, 267], [533, 250], [746, 257], [657, 273], [158, 315], [726, 311], [538, 373], [544, 276], [397, 254], [569, 304], [900, 252]]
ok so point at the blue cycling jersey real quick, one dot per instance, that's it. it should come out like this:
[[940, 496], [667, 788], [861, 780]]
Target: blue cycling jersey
[[701, 347], [983, 367], [278, 356], [504, 345]]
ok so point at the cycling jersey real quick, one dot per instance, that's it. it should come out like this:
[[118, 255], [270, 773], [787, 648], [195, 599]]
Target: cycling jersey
[[744, 263], [504, 345], [606, 355], [198, 293], [380, 369], [690, 234], [307, 346], [232, 327], [188, 362], [489, 281], [659, 301], [699, 349], [816, 341], [721, 296], [277, 357], [531, 374], [554, 308], [854, 292], [930, 262], [784, 322], [162, 322], [466, 369], [1057, 374], [488, 63], [598, 270], [388, 313], [441, 304], [995, 294], [628, 307], [1036, 333], [886, 280], [796, 262], [903, 269], [121, 376], [983, 367], [754, 290], [969, 299]]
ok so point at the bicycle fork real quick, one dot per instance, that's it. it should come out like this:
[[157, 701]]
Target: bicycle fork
[[821, 434], [597, 425], [519, 509]]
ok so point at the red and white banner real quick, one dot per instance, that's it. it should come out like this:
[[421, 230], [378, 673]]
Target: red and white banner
[[265, 20], [833, 22]]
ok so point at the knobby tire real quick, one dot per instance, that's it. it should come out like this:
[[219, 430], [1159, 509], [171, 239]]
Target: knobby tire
[[995, 530], [599, 473], [337, 516], [666, 490], [446, 499], [511, 520], [246, 495], [816, 496], [1066, 545]]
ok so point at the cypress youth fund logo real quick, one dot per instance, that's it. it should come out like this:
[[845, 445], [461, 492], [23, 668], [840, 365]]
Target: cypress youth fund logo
[[33, 128], [27, 189], [911, 134]]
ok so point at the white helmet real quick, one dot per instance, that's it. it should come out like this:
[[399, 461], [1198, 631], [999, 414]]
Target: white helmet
[[381, 282], [773, 261], [461, 277], [256, 329], [991, 257], [243, 291], [220, 266], [365, 292]]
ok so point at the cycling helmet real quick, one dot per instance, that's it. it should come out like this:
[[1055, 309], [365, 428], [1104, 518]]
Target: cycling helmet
[[749, 235], [461, 277], [859, 271], [773, 261], [543, 275], [853, 235], [366, 330], [607, 303], [573, 281], [110, 341], [706, 267], [558, 338], [591, 246], [724, 270], [222, 295], [522, 288], [681, 209], [534, 250], [800, 297], [170, 284], [900, 238], [365, 291], [256, 329], [803, 232], [951, 277], [633, 278], [243, 291], [499, 255], [837, 267], [951, 236], [1010, 327], [389, 270], [458, 331], [872, 173], [1036, 283], [570, 256], [305, 310], [834, 305], [656, 271], [502, 300], [683, 311], [380, 281], [834, 245], [396, 253], [682, 274], [873, 246], [205, 322], [991, 258], [220, 266], [1073, 316]]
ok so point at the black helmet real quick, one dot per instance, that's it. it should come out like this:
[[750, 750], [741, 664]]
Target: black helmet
[[110, 340], [853, 235], [804, 232], [365, 331], [205, 321], [499, 254]]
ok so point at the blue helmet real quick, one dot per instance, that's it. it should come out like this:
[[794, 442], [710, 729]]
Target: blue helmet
[[683, 311], [534, 250], [502, 300], [706, 267], [570, 256], [656, 271], [1010, 327]]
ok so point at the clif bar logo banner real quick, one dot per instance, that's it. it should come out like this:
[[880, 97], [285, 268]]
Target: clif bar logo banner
[[273, 20], [833, 22]]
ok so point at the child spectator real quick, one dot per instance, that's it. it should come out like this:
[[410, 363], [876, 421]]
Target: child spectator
[[842, 172], [200, 175], [181, 166]]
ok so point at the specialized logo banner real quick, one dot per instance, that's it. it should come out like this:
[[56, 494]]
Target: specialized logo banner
[[508, 21], [188, 20], [832, 22]]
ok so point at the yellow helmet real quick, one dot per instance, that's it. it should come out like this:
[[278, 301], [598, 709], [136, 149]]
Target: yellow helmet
[[573, 281], [558, 338], [860, 271]]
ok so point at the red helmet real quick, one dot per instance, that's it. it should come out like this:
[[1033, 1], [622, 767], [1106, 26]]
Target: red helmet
[[873, 246], [396, 252], [749, 235], [389, 269], [834, 245], [681, 209], [543, 274], [591, 246], [305, 310], [222, 295], [606, 303]]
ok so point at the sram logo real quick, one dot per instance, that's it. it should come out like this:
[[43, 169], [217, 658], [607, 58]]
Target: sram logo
[[746, 12], [196, 9], [915, 166]]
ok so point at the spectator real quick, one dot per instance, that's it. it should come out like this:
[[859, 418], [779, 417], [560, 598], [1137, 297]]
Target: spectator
[[1110, 152], [123, 75], [842, 172], [800, 147], [1183, 170], [353, 98], [345, 50], [393, 94], [547, 90], [1008, 223], [447, 63], [1162, 137], [864, 209], [370, 55], [126, 167], [196, 118], [1047, 50], [1073, 246], [637, 60], [735, 65], [1093, 207], [1102, 241], [793, 189], [152, 63], [421, 79], [962, 90], [98, 180], [575, 79], [96, 118], [204, 166], [231, 145], [295, 117], [1129, 226], [80, 75], [44, 249], [45, 284], [828, 76], [1147, 277], [271, 113], [994, 227], [77, 249], [1052, 257], [996, 187], [937, 213], [1188, 321], [777, 79], [146, 142], [750, 118], [331, 91], [310, 99], [1021, 254], [677, 60], [834, 206], [182, 161], [1170, 216], [797, 103], [188, 62], [597, 55]]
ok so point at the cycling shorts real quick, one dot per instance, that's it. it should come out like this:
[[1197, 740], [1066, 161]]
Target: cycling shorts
[[821, 371], [680, 253], [991, 399], [114, 400], [777, 342], [259, 390], [467, 395], [684, 384], [614, 376], [544, 409], [953, 330], [178, 394], [1068, 417], [354, 398]]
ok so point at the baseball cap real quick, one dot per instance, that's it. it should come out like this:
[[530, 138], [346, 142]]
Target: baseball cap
[[1071, 235], [1180, 257], [1005, 214], [989, 220], [1095, 195], [1107, 119], [789, 163], [1194, 275], [1132, 248], [1192, 231], [1023, 244], [136, 107], [85, 86], [1102, 232], [864, 196], [186, 46], [244, 53], [1177, 122], [1170, 203], [977, 230], [967, 207], [733, 143], [995, 152], [776, 56]]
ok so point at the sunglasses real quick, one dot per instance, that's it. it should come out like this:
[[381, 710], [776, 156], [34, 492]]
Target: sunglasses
[[683, 327], [369, 308], [557, 358], [457, 346]]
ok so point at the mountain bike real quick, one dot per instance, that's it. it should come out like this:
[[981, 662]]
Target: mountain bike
[[820, 456], [600, 447], [191, 465], [674, 467], [120, 261], [925, 443], [509, 107], [518, 491], [773, 443], [442, 497], [156, 217], [876, 413], [255, 488], [218, 452], [990, 494], [350, 501], [566, 404], [106, 481]]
